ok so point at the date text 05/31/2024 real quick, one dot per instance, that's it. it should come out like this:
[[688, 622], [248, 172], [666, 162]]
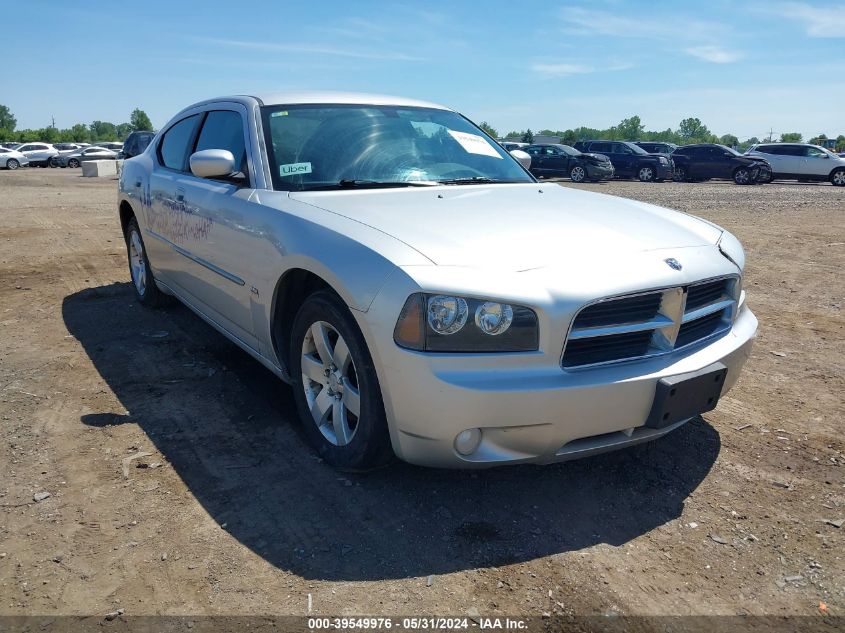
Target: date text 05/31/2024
[[416, 624]]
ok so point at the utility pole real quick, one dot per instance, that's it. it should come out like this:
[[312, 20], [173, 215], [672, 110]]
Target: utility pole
[[52, 118]]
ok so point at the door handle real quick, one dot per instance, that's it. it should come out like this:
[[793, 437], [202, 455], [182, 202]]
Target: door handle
[[137, 183]]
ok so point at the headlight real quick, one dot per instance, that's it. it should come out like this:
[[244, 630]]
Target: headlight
[[444, 323], [664, 160], [732, 249]]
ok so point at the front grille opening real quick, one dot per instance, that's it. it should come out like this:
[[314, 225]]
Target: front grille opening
[[693, 331], [702, 294], [602, 349], [613, 312]]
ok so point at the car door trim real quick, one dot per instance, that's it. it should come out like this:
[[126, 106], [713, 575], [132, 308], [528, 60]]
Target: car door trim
[[199, 260]]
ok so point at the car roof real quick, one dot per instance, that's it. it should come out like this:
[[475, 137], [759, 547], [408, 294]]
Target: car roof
[[322, 96]]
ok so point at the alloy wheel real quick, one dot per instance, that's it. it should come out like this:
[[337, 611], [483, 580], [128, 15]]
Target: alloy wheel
[[838, 178], [742, 176], [12, 164], [578, 174], [137, 265], [330, 382], [646, 174], [73, 163]]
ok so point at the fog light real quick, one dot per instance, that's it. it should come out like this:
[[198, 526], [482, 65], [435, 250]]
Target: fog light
[[467, 441]]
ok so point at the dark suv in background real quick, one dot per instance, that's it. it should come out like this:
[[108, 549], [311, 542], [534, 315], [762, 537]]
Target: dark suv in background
[[709, 160], [657, 147], [552, 160], [136, 143], [629, 160]]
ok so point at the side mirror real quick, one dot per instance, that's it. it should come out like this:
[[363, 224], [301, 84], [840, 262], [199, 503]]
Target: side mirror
[[212, 163], [524, 158]]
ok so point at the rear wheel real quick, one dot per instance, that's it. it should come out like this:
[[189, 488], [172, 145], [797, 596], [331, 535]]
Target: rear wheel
[[12, 164], [336, 389], [838, 178], [646, 173], [73, 163], [742, 176], [680, 174], [143, 282], [578, 174]]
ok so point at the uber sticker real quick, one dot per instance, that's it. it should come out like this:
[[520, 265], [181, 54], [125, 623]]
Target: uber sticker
[[474, 144], [294, 169]]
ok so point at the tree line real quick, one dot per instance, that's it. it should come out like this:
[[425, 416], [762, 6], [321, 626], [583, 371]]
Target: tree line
[[94, 132], [690, 130]]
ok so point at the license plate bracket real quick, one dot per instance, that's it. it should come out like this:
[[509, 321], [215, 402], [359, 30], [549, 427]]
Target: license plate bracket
[[684, 396]]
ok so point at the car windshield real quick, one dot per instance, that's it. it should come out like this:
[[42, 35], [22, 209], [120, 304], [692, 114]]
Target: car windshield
[[339, 146], [731, 150], [636, 148], [569, 150]]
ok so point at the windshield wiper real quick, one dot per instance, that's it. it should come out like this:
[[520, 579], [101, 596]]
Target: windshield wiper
[[349, 183], [473, 180]]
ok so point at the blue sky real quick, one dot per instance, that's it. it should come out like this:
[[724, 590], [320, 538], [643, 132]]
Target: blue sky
[[742, 68]]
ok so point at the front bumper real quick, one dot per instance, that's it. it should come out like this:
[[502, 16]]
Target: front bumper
[[604, 170], [531, 414], [665, 172]]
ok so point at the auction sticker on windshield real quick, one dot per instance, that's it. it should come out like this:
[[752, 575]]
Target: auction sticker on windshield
[[294, 169], [474, 144]]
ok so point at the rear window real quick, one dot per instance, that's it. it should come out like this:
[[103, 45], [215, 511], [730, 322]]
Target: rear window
[[173, 149]]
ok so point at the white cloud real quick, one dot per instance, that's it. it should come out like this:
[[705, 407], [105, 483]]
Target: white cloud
[[714, 54], [584, 22], [308, 49], [826, 21], [561, 70]]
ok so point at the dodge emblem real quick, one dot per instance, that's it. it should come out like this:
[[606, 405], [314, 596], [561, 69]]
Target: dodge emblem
[[673, 263]]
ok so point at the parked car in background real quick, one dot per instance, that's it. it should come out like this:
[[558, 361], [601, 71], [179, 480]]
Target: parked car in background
[[703, 161], [38, 154], [657, 147], [114, 146], [66, 147], [75, 159], [414, 285], [510, 145], [553, 160], [629, 160], [801, 161], [136, 143], [10, 145], [12, 159]]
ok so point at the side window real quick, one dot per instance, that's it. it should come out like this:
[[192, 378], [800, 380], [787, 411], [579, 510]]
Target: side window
[[791, 150], [173, 149], [621, 148], [815, 152], [768, 149], [601, 148], [224, 129]]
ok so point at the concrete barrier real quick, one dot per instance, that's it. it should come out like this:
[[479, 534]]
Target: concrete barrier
[[99, 168]]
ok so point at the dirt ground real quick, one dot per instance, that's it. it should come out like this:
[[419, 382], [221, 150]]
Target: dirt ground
[[734, 513]]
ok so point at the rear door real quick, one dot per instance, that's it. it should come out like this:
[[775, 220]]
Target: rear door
[[626, 157], [538, 159]]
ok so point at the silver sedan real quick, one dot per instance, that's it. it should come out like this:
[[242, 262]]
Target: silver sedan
[[76, 158], [12, 159], [422, 293]]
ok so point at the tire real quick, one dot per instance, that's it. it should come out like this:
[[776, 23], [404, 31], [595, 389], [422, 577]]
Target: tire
[[645, 173], [837, 178], [680, 174], [742, 176], [52, 163], [143, 281], [335, 384], [577, 174], [73, 163], [12, 164]]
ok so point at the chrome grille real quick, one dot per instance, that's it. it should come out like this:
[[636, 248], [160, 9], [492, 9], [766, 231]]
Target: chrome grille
[[650, 323]]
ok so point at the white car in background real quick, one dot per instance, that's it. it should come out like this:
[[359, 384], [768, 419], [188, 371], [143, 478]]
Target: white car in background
[[801, 161], [38, 154], [422, 292], [12, 159]]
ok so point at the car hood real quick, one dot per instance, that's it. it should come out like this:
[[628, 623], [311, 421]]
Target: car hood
[[515, 227], [599, 157]]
